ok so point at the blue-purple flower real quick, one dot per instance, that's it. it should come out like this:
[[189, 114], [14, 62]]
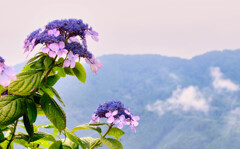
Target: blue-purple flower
[[116, 114], [61, 37], [95, 64], [7, 73]]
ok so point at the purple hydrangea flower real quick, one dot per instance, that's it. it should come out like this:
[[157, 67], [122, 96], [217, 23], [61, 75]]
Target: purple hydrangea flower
[[116, 114], [93, 34], [7, 73], [54, 32], [71, 60], [55, 49], [58, 31], [121, 121], [95, 64], [110, 115]]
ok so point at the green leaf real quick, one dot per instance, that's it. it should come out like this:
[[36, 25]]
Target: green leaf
[[80, 72], [28, 126], [56, 145], [1, 136], [69, 71], [53, 112], [57, 95], [4, 145], [26, 81], [111, 143], [84, 127], [116, 132], [73, 137], [68, 144], [11, 108], [39, 54], [46, 126], [89, 141], [47, 90], [60, 71], [36, 136], [52, 80], [47, 61], [98, 124], [31, 111]]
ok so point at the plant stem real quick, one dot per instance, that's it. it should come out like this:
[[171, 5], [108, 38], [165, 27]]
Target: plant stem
[[103, 136], [13, 134]]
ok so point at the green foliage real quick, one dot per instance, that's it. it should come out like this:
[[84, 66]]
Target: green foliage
[[89, 142], [11, 108], [56, 145], [74, 138], [111, 143], [36, 137], [84, 127], [53, 112], [116, 132], [52, 80], [26, 82], [80, 72], [69, 71], [28, 126], [31, 110]]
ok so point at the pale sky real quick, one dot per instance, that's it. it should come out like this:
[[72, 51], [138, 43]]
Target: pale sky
[[182, 28]]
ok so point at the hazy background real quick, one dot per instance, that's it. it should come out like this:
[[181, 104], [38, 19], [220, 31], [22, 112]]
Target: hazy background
[[168, 27], [188, 103]]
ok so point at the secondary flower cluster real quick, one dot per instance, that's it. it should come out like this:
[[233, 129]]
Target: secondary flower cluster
[[7, 74], [116, 113], [65, 37]]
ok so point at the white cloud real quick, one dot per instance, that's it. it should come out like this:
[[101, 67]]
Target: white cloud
[[234, 117], [186, 99], [219, 82]]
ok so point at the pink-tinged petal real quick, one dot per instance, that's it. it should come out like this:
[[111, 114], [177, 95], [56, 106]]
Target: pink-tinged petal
[[110, 119], [94, 116], [57, 33], [87, 61], [135, 123], [45, 50], [114, 112], [87, 32], [120, 125], [70, 55], [122, 117], [54, 47], [61, 45], [84, 42], [127, 112], [62, 52], [52, 54], [98, 63], [95, 38], [72, 64], [73, 39], [94, 68], [137, 118], [75, 57], [50, 32], [4, 80], [66, 63], [117, 121], [108, 114], [10, 72]]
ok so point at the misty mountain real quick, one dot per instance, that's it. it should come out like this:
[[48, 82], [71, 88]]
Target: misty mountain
[[183, 103]]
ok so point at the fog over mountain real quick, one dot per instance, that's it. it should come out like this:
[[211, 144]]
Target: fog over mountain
[[183, 104]]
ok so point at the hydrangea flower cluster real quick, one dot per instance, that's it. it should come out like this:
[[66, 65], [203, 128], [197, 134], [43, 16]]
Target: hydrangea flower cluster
[[116, 113], [7, 73], [65, 37]]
